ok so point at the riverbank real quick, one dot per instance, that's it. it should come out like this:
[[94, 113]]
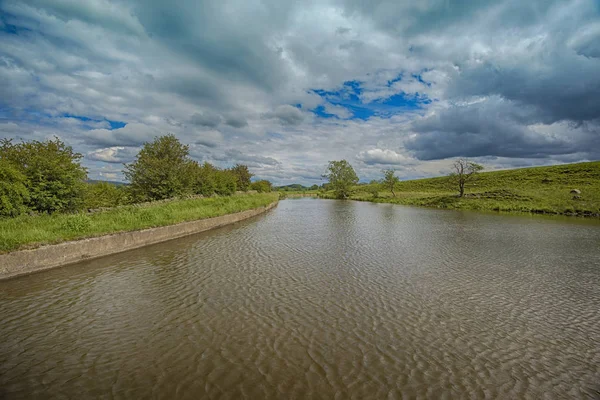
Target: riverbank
[[212, 213], [543, 190]]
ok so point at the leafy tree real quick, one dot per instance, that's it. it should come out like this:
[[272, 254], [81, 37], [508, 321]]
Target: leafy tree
[[314, 187], [13, 190], [464, 171], [341, 178], [242, 175], [55, 178], [225, 182], [161, 170], [262, 186], [390, 180], [204, 180]]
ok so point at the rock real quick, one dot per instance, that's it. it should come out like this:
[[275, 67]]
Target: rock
[[576, 191]]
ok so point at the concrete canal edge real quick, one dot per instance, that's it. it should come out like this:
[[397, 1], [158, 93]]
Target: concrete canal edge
[[24, 262]]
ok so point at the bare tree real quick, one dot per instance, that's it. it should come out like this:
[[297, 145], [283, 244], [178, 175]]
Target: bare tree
[[464, 171]]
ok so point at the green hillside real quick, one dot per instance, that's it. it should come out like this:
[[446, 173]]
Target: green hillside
[[537, 190]]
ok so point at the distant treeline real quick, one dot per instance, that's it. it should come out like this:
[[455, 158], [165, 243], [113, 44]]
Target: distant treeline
[[47, 177], [295, 187]]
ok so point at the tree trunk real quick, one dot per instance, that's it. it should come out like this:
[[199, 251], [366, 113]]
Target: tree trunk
[[462, 189], [393, 194]]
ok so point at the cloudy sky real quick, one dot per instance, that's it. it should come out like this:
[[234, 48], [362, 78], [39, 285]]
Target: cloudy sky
[[284, 86]]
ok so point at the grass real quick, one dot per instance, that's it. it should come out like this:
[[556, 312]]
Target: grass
[[543, 190], [34, 231]]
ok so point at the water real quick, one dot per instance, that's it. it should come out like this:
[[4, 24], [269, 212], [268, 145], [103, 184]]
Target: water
[[319, 299]]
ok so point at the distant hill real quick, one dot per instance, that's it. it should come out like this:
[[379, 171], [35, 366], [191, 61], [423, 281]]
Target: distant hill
[[111, 182], [293, 186]]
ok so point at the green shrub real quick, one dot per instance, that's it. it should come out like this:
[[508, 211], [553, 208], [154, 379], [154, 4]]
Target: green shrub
[[55, 178], [262, 186], [104, 194], [13, 190]]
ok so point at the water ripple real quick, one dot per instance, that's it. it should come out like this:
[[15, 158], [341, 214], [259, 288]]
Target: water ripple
[[319, 299]]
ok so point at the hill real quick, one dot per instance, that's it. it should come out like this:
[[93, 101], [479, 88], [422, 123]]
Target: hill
[[537, 190], [293, 187]]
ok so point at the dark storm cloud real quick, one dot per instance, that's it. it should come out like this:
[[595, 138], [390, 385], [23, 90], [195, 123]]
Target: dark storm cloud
[[206, 118], [286, 114], [494, 127], [236, 121]]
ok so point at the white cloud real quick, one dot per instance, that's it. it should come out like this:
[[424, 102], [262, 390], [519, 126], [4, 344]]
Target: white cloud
[[241, 76], [383, 157]]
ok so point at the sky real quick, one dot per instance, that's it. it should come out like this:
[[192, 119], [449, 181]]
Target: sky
[[284, 86]]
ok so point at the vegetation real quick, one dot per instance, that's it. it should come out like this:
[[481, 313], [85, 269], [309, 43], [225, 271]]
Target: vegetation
[[464, 171], [46, 180], [534, 190], [390, 180], [33, 231], [50, 171], [295, 187], [242, 177], [105, 194], [262, 186], [341, 177], [161, 170], [13, 190]]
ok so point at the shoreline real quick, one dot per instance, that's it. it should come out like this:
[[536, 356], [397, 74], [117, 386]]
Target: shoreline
[[24, 262], [522, 210]]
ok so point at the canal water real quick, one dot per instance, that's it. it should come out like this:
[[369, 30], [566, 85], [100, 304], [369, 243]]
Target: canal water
[[319, 299]]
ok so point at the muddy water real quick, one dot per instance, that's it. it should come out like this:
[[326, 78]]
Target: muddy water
[[319, 299]]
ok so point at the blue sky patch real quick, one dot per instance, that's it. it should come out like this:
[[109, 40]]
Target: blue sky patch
[[113, 124], [348, 96]]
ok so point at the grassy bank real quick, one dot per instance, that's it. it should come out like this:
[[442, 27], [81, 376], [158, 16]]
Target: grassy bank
[[533, 190], [33, 231]]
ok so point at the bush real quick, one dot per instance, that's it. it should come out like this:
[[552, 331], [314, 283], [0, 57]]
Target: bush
[[55, 178], [262, 186], [225, 183], [204, 180], [104, 194], [13, 190]]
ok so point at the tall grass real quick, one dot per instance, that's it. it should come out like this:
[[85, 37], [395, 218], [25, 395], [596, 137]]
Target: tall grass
[[33, 231], [534, 190]]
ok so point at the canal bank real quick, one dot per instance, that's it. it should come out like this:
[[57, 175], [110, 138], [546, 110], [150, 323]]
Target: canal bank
[[24, 262]]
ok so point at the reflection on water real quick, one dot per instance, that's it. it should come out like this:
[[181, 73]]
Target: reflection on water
[[319, 299]]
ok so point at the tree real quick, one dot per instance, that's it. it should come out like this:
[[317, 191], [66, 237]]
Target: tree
[[55, 179], [203, 181], [13, 190], [262, 186], [341, 178], [161, 170], [242, 175], [225, 182], [314, 187], [390, 180], [464, 171]]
